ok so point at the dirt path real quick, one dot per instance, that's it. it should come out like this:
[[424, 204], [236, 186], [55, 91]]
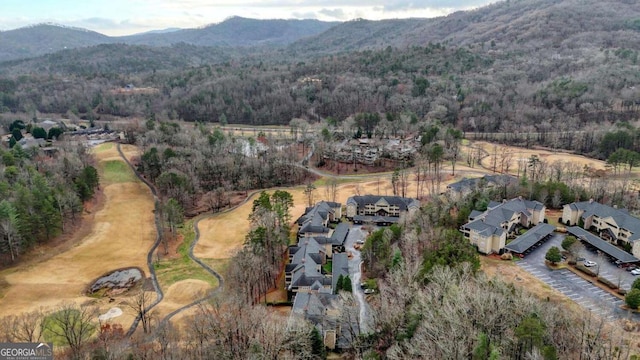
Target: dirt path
[[120, 236]]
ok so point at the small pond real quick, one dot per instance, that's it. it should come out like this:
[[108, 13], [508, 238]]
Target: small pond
[[118, 279]]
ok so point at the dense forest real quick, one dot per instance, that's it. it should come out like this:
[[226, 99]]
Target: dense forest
[[40, 193], [512, 79]]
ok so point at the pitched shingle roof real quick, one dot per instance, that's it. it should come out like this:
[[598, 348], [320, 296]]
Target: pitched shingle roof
[[621, 216], [483, 228], [340, 234], [314, 306], [402, 203], [602, 245], [472, 183], [530, 238], [339, 267]]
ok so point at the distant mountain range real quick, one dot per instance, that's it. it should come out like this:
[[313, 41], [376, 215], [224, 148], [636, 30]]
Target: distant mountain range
[[506, 24], [43, 39], [512, 25]]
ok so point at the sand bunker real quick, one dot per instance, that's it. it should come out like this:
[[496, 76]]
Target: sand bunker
[[112, 313]]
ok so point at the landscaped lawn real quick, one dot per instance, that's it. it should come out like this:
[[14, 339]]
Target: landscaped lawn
[[117, 171], [328, 267], [170, 271]]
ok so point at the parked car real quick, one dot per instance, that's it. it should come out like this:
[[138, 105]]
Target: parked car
[[580, 259], [635, 272], [631, 267], [590, 263], [369, 291]]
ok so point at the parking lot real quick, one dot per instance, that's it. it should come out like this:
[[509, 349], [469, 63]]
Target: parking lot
[[609, 270], [589, 296]]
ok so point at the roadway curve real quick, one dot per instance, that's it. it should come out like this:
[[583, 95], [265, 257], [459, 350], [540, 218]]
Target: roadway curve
[[152, 270], [206, 267]]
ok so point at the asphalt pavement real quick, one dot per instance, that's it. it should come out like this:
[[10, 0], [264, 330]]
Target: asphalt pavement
[[584, 293]]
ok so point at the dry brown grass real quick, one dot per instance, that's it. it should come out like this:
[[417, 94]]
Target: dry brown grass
[[179, 294], [121, 235], [521, 154], [223, 234]]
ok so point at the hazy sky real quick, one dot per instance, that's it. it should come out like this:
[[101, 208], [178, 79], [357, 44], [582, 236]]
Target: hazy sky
[[122, 17]]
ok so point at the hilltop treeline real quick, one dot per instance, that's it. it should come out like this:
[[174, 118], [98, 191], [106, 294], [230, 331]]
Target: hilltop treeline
[[494, 70], [470, 88]]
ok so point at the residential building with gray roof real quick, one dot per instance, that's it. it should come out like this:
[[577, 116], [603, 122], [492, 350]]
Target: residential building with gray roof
[[489, 230], [614, 225]]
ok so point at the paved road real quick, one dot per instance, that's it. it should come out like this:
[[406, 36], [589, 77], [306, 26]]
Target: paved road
[[573, 286], [152, 270], [355, 263], [154, 280]]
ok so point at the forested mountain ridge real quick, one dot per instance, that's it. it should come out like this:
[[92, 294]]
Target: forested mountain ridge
[[505, 25], [558, 70], [236, 31], [32, 41], [42, 39]]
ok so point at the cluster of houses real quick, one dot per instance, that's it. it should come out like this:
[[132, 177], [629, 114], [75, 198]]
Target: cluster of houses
[[489, 230], [88, 137], [369, 151], [321, 238]]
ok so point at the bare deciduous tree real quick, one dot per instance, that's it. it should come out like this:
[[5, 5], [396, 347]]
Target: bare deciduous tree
[[74, 325], [26, 327], [140, 305]]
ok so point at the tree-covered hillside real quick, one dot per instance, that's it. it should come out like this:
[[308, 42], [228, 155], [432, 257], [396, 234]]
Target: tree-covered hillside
[[535, 67]]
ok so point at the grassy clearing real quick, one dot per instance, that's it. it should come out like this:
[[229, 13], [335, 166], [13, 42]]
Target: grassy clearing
[[218, 265], [117, 171], [171, 271], [103, 147]]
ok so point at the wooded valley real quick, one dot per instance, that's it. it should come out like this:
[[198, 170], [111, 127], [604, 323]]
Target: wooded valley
[[559, 75]]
